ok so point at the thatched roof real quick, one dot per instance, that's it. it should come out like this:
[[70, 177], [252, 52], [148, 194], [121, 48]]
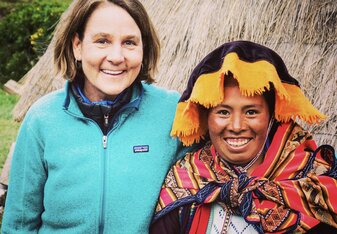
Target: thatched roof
[[304, 33]]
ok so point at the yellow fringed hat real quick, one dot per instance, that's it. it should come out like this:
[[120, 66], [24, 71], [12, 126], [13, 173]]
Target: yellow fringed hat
[[255, 67]]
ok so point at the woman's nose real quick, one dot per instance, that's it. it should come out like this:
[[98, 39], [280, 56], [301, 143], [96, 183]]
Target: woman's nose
[[115, 54], [237, 123]]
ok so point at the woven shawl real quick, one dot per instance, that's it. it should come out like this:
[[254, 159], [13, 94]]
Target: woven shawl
[[293, 189]]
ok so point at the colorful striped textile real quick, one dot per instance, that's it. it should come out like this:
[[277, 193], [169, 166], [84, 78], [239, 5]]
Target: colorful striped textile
[[292, 190]]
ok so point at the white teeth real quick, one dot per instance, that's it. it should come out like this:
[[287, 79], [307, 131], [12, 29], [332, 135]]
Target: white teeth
[[112, 72], [237, 142]]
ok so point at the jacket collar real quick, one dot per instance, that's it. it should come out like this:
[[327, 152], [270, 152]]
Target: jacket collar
[[70, 104]]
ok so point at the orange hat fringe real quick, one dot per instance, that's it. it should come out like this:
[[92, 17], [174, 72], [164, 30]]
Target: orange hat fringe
[[298, 106], [190, 123]]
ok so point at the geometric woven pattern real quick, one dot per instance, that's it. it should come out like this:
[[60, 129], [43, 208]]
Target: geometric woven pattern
[[292, 190]]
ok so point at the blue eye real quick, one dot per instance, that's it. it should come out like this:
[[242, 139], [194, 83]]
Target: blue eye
[[130, 43], [102, 41]]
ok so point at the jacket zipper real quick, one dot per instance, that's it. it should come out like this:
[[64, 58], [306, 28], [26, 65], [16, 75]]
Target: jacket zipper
[[105, 141], [106, 121], [105, 144]]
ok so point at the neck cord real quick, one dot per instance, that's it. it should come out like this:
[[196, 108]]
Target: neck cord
[[245, 168]]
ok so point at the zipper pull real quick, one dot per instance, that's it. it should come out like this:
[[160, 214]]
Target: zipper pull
[[106, 120], [105, 141]]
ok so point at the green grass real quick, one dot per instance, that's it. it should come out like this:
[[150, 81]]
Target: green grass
[[8, 127]]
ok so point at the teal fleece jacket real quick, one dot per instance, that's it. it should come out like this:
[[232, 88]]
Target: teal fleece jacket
[[66, 177]]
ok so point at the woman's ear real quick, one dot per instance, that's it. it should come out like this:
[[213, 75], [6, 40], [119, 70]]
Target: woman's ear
[[77, 47]]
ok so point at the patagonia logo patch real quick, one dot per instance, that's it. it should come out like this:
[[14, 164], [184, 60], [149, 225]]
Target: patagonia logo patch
[[141, 148]]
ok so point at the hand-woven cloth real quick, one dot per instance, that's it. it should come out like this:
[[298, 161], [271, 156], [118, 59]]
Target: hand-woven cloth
[[293, 189]]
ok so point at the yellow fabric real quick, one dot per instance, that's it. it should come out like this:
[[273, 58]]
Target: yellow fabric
[[253, 78], [298, 106], [208, 89], [190, 123]]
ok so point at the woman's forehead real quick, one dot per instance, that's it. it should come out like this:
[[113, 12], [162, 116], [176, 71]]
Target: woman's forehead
[[233, 95]]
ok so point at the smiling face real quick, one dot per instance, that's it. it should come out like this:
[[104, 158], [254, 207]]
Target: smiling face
[[111, 52], [238, 126]]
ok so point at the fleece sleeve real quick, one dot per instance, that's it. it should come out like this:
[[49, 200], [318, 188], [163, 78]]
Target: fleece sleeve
[[24, 202]]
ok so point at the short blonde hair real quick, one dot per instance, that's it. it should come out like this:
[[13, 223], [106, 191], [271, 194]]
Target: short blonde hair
[[73, 21]]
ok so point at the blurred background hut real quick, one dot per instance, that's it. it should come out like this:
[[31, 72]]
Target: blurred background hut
[[304, 33]]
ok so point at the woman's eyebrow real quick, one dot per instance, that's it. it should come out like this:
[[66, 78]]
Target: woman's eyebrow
[[253, 106], [132, 37], [245, 106], [223, 106], [107, 35], [100, 35]]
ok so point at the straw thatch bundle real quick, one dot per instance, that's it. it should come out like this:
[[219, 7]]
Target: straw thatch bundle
[[304, 33]]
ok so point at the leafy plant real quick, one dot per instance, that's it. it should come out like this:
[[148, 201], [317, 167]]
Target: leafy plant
[[25, 33]]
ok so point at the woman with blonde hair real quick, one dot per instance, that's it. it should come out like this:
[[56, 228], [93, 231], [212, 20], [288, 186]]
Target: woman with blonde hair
[[90, 158], [258, 171]]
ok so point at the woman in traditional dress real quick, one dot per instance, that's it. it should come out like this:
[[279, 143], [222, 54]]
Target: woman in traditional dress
[[258, 171]]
